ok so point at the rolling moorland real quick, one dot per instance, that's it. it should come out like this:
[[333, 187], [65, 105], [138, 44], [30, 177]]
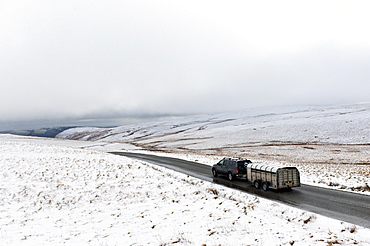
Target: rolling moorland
[[62, 191], [315, 139]]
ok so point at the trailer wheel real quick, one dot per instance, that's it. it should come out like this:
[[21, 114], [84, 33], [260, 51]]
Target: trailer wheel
[[230, 176], [257, 184], [265, 186], [214, 172]]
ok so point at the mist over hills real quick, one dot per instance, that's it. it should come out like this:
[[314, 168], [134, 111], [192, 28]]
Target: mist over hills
[[48, 132]]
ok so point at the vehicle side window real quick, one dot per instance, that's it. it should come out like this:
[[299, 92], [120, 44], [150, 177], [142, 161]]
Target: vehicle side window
[[226, 162], [221, 162]]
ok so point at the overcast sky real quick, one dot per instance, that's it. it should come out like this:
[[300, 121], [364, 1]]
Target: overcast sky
[[77, 59]]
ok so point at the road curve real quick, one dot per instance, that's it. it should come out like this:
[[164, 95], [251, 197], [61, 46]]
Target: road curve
[[341, 205]]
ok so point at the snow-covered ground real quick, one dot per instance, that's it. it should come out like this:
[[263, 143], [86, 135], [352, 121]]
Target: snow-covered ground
[[55, 192], [330, 145], [345, 124], [61, 191], [351, 178], [348, 177]]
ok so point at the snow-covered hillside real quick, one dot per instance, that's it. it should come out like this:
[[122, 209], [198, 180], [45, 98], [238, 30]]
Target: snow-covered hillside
[[52, 194], [318, 140], [336, 125]]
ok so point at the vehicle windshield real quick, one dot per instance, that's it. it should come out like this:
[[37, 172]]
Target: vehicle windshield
[[241, 164]]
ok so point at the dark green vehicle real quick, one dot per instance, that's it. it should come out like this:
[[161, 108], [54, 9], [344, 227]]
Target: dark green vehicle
[[232, 167]]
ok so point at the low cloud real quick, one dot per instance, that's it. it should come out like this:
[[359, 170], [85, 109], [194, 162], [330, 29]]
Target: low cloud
[[72, 60]]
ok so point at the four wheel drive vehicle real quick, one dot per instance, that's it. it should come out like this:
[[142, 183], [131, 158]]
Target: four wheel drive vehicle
[[232, 167], [261, 175]]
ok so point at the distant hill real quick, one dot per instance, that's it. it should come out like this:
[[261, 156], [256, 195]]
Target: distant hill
[[48, 132], [348, 124], [291, 135]]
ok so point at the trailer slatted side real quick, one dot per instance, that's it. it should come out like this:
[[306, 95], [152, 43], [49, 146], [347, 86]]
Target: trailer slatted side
[[274, 177]]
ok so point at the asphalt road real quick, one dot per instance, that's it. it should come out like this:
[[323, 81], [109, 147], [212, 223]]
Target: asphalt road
[[341, 205]]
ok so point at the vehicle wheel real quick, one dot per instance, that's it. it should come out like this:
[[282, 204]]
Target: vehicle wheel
[[257, 184], [265, 186], [214, 172], [230, 176]]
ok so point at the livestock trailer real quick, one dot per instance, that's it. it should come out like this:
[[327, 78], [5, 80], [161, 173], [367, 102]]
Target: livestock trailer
[[273, 177]]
